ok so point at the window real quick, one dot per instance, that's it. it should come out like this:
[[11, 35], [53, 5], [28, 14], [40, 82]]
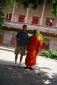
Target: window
[[49, 21], [8, 17], [35, 20], [21, 18]]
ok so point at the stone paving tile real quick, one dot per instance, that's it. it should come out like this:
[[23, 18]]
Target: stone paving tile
[[14, 75], [10, 75]]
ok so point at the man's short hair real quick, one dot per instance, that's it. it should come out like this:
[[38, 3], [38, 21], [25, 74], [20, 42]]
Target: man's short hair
[[24, 26]]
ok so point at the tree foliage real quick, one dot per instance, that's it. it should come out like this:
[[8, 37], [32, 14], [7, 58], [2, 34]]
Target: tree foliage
[[3, 4], [1, 17], [54, 10], [34, 3]]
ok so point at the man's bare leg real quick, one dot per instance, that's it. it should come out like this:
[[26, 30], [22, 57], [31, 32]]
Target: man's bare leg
[[21, 57], [16, 56]]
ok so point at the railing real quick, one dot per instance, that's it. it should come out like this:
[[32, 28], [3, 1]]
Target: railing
[[32, 27]]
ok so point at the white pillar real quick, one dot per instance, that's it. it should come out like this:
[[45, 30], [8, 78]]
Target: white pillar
[[41, 19], [13, 12], [26, 18]]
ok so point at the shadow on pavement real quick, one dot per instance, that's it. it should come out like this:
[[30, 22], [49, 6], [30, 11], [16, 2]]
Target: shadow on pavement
[[13, 75], [3, 62]]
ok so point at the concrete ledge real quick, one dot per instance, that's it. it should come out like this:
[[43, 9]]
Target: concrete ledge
[[7, 48]]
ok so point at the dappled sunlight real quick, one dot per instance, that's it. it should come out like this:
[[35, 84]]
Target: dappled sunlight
[[46, 82], [6, 55], [43, 72], [15, 74]]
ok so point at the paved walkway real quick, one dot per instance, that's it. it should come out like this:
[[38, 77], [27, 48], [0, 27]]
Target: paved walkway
[[45, 66]]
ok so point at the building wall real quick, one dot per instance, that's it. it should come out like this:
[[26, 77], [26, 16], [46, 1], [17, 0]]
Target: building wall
[[19, 10], [53, 44], [8, 38]]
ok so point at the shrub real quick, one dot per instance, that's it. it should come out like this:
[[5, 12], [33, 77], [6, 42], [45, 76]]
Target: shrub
[[54, 54], [49, 54]]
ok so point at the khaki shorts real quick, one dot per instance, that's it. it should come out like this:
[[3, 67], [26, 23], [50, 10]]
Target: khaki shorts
[[21, 50]]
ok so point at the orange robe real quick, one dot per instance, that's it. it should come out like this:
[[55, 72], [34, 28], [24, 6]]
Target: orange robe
[[33, 48]]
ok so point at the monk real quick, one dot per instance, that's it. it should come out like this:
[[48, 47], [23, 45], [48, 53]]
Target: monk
[[33, 48]]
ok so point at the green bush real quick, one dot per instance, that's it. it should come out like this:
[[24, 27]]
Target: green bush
[[49, 54], [45, 53], [54, 54]]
